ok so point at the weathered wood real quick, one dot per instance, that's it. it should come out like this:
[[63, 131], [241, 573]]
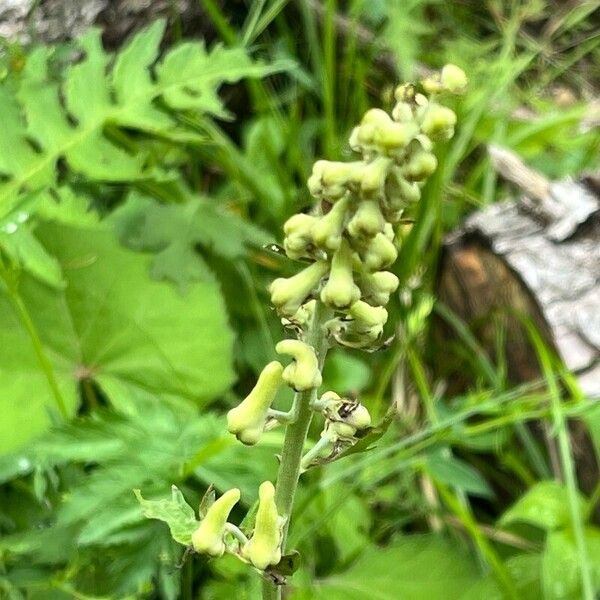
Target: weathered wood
[[541, 258], [537, 256]]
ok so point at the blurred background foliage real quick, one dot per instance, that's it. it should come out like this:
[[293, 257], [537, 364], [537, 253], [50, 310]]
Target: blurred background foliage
[[139, 193]]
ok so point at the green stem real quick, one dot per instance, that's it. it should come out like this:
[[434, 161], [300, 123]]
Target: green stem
[[567, 462], [17, 302], [295, 437], [485, 547]]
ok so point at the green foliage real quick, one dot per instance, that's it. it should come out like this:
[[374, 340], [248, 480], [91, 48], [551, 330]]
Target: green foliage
[[172, 234], [112, 327], [104, 101], [545, 505], [130, 223], [175, 512], [103, 458], [413, 567]]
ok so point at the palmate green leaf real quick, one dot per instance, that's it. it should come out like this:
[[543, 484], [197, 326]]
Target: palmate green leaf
[[110, 325], [175, 512], [413, 567], [69, 120], [545, 505], [172, 232]]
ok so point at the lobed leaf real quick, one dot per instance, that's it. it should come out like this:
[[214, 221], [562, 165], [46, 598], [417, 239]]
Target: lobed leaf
[[175, 512]]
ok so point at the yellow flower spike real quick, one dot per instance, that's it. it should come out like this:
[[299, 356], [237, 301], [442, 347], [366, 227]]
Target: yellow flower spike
[[264, 547], [340, 291], [380, 253], [368, 315], [377, 287], [298, 238], [247, 420], [208, 538], [367, 220], [327, 232], [287, 294], [453, 79], [303, 373]]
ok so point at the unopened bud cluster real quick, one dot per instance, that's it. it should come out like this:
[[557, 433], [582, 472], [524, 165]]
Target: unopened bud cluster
[[349, 236]]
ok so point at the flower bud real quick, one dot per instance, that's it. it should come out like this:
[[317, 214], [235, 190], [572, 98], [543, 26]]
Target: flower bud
[[264, 547], [340, 290], [454, 79], [357, 416], [353, 139], [303, 316], [403, 112], [421, 165], [368, 315], [247, 420], [303, 373], [208, 538], [377, 117], [377, 287], [367, 220], [338, 429], [298, 238], [395, 136], [373, 176], [354, 334], [330, 401], [438, 122], [433, 84], [331, 179], [380, 253], [399, 193], [345, 418], [327, 232], [287, 294]]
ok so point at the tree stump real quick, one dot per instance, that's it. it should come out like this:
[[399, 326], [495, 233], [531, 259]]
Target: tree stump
[[539, 256]]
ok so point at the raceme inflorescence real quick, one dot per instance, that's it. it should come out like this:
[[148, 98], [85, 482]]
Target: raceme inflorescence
[[347, 245]]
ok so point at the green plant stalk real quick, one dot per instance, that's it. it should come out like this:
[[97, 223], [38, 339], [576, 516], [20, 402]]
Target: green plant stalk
[[295, 437], [19, 306], [566, 459], [485, 547]]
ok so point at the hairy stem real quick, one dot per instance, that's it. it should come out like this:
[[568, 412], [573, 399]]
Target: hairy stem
[[295, 437]]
